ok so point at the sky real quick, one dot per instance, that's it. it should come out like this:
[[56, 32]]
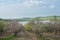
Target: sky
[[29, 8]]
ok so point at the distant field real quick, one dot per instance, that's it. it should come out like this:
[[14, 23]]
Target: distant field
[[39, 18], [29, 19]]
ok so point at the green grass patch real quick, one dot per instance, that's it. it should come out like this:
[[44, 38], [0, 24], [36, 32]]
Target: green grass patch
[[11, 37]]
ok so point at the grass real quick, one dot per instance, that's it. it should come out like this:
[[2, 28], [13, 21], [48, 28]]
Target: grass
[[11, 37]]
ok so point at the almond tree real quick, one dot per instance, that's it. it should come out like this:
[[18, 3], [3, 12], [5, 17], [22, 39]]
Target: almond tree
[[14, 27]]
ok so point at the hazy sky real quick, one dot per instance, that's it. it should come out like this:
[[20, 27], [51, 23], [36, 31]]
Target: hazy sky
[[28, 8]]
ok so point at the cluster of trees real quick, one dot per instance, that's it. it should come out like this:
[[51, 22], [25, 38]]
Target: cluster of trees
[[34, 26], [39, 28]]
